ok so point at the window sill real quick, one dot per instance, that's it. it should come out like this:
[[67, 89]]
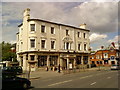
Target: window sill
[[32, 31]]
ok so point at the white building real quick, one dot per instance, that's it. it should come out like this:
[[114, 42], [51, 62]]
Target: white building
[[43, 43]]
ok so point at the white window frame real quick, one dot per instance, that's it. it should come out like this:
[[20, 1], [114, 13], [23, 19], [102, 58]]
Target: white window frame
[[41, 28], [54, 44], [41, 44]]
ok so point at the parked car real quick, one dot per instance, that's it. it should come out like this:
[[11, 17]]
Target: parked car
[[13, 69], [10, 82], [115, 67]]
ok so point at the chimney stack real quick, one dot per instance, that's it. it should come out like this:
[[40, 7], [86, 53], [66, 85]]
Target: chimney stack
[[83, 26], [26, 13]]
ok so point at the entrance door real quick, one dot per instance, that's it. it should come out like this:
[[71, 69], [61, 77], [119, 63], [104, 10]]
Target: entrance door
[[64, 63], [42, 61], [71, 61]]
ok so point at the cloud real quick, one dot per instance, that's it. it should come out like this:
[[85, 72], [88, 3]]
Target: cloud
[[116, 39], [100, 17], [95, 37]]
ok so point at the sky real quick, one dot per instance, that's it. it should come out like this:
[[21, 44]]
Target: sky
[[100, 16]]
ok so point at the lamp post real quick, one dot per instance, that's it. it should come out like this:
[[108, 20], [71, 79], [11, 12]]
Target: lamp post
[[59, 64], [29, 66], [102, 55], [89, 56], [12, 49]]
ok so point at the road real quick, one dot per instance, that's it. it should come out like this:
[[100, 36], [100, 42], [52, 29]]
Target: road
[[90, 79]]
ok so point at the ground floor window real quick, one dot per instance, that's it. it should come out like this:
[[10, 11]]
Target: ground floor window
[[78, 60], [100, 62], [32, 57], [97, 62], [93, 62], [85, 59], [105, 61], [21, 59], [53, 60], [42, 61], [112, 62]]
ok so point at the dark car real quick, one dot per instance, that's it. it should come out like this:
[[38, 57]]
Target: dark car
[[11, 81], [13, 69]]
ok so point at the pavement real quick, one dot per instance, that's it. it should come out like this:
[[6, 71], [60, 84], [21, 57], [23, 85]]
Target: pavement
[[46, 74]]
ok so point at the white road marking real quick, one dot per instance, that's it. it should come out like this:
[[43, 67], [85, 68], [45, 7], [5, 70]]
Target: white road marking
[[86, 76], [93, 83], [60, 83]]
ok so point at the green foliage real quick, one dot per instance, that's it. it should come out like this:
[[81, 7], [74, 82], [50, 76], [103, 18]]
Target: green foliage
[[7, 54]]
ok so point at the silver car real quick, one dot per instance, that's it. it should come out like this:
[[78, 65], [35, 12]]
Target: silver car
[[115, 67]]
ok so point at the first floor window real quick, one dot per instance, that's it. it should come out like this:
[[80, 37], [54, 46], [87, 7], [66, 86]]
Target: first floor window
[[32, 43], [32, 27], [112, 57], [79, 47], [42, 43], [85, 47], [52, 44], [32, 57], [67, 45]]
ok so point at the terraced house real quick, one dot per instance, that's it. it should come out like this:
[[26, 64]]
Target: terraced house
[[42, 43]]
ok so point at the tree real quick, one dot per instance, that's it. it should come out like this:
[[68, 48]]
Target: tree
[[7, 53]]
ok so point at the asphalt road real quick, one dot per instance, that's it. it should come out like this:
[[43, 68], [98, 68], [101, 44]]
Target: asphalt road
[[90, 79]]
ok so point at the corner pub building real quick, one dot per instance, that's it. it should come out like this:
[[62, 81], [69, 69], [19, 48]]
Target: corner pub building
[[42, 43]]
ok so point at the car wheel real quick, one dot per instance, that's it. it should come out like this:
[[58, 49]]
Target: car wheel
[[25, 85]]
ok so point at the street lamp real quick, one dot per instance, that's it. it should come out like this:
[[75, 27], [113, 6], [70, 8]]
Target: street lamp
[[102, 56], [59, 63], [89, 56]]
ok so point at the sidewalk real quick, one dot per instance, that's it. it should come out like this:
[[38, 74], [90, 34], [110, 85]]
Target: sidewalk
[[41, 74], [46, 74]]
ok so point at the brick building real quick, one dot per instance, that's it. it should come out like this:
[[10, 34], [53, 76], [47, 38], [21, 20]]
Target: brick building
[[105, 57]]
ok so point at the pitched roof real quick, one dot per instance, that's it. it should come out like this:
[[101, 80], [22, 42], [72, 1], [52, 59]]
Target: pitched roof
[[54, 23]]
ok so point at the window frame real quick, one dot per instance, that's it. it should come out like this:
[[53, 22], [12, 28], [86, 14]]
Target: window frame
[[32, 57], [52, 44], [79, 47], [31, 27], [43, 47], [67, 32], [43, 29], [32, 43], [52, 30]]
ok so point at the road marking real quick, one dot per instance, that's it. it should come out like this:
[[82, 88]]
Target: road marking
[[108, 77], [86, 76], [60, 83], [93, 83]]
